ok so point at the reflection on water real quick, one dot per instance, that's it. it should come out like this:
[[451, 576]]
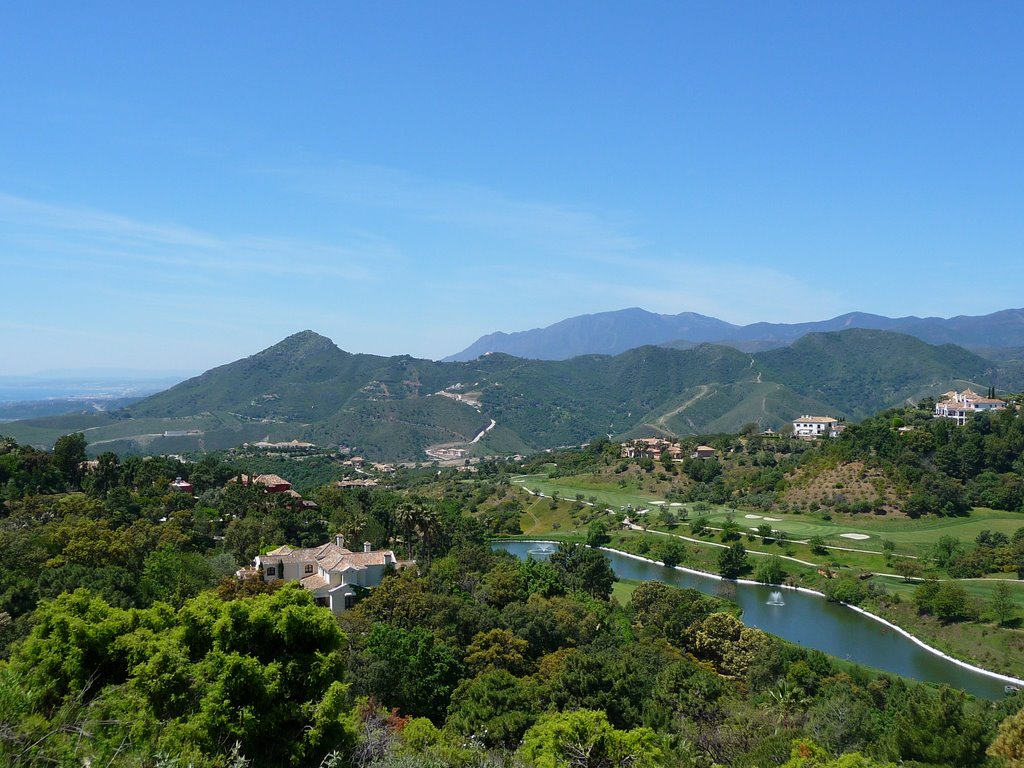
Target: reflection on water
[[541, 551], [809, 621]]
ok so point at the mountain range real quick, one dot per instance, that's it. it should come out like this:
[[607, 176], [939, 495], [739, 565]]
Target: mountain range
[[609, 333], [394, 408]]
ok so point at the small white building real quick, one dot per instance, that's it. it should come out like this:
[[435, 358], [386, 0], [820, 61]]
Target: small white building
[[811, 427], [331, 572]]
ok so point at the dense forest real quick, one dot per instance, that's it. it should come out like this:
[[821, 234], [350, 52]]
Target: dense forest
[[127, 641]]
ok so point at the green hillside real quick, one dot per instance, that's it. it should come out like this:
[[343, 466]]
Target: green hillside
[[864, 371], [395, 407]]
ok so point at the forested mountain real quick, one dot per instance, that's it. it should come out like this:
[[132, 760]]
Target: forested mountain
[[867, 370], [614, 332], [394, 407]]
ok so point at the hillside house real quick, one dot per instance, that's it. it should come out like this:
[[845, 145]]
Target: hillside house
[[446, 454], [812, 427], [960, 406], [181, 486], [300, 503], [291, 445], [331, 572], [270, 483], [359, 482], [703, 452], [650, 448]]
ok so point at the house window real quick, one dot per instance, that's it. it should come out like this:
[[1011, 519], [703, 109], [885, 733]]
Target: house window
[[309, 567], [350, 601], [271, 571]]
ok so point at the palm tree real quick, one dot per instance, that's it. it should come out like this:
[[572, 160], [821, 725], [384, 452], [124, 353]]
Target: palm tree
[[406, 517], [429, 526], [354, 525], [787, 699]]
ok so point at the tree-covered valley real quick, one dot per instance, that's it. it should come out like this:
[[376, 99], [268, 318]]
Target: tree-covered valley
[[128, 641]]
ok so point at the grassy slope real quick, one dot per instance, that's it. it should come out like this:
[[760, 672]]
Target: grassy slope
[[905, 533], [984, 643]]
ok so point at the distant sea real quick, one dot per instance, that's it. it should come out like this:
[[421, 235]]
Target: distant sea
[[30, 389], [49, 392]]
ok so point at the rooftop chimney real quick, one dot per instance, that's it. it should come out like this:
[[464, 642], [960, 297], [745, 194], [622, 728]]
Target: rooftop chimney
[[340, 540], [367, 546]]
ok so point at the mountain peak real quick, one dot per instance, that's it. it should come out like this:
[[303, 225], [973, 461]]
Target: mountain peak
[[302, 344], [603, 333], [610, 333]]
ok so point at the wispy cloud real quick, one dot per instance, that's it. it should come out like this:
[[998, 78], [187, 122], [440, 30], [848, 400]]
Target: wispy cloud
[[425, 267], [733, 291], [567, 257], [38, 234], [546, 227]]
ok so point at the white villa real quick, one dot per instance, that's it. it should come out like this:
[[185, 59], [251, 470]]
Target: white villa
[[331, 572], [960, 406], [810, 427]]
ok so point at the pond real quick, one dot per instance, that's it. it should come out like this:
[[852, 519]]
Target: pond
[[806, 620]]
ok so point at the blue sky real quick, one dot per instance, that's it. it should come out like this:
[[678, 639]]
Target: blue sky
[[183, 184]]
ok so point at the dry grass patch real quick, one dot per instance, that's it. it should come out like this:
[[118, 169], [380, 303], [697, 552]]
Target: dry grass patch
[[816, 486]]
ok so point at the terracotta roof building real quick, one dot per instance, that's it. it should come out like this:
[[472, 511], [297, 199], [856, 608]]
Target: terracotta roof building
[[331, 572], [960, 406], [271, 483]]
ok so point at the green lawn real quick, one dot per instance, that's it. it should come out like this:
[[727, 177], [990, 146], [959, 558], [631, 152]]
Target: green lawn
[[606, 492], [538, 517], [982, 642], [978, 588], [911, 537], [623, 590]]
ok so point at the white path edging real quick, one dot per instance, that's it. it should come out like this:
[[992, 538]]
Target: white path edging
[[806, 591], [936, 651]]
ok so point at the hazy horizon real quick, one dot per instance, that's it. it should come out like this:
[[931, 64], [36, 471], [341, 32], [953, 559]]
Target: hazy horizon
[[194, 183]]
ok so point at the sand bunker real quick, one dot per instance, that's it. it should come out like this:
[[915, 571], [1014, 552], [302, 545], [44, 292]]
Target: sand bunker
[[753, 517], [857, 536], [676, 504], [657, 503], [774, 519]]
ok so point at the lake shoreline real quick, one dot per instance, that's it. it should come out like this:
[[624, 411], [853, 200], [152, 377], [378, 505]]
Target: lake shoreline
[[1008, 679]]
